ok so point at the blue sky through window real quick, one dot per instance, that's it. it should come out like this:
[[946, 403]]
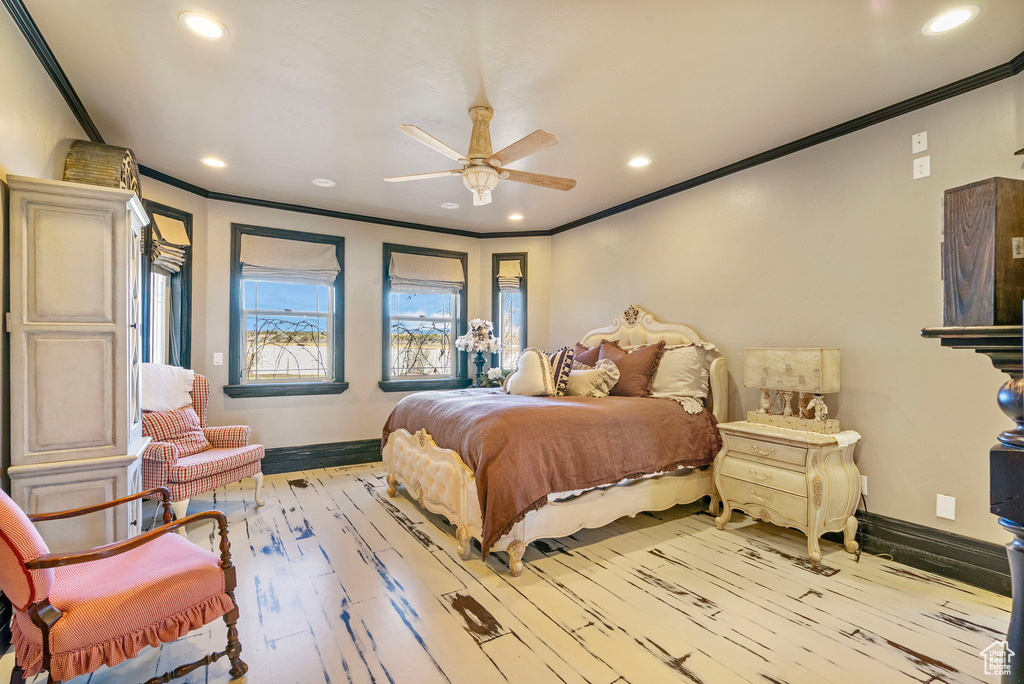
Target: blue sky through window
[[273, 296]]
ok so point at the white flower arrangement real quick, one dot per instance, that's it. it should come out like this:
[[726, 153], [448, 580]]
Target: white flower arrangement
[[479, 338], [494, 373]]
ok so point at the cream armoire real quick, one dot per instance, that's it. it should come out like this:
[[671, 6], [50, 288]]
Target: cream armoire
[[75, 349]]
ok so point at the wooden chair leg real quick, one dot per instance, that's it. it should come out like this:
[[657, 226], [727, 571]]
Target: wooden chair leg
[[234, 650], [180, 509], [258, 477]]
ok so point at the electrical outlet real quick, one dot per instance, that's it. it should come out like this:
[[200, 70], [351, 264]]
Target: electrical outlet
[[864, 485], [919, 142], [923, 167], [218, 359], [945, 506]]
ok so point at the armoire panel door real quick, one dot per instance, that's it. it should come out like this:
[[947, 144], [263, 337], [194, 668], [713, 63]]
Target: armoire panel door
[[71, 394], [70, 265]]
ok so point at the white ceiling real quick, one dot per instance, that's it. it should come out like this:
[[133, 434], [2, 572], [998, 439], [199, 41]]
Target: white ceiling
[[304, 89]]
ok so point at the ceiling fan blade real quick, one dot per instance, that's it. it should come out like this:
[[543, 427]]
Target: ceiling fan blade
[[421, 176], [535, 142], [480, 199], [430, 141], [553, 182]]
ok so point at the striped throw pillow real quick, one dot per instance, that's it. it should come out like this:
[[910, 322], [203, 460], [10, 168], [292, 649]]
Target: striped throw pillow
[[179, 427]]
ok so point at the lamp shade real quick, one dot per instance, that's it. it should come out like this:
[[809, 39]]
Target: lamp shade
[[797, 370]]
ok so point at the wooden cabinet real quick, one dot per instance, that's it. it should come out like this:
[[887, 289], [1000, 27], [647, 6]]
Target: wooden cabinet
[[76, 421], [804, 480], [983, 253]]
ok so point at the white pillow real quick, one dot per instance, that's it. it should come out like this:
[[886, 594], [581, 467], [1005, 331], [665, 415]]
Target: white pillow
[[593, 382], [533, 377], [684, 372]]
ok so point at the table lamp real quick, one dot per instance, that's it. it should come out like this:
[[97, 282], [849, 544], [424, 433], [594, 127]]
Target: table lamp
[[781, 373]]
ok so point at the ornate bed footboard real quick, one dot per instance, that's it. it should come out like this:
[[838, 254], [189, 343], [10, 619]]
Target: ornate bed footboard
[[442, 483]]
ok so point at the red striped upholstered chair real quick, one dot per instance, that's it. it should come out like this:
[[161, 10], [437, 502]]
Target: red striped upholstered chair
[[185, 466], [75, 612]]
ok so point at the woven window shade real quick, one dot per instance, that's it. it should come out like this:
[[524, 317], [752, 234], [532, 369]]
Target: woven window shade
[[289, 261], [510, 276], [418, 273], [169, 242]]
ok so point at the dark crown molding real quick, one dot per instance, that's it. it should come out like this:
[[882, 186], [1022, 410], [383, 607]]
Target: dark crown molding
[[42, 50]]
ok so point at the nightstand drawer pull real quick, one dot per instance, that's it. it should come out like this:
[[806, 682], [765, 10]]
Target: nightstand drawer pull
[[757, 476], [767, 496], [762, 451]]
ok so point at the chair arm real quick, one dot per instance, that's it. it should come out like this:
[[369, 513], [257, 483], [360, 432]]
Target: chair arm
[[165, 496], [228, 437], [56, 560], [161, 451]]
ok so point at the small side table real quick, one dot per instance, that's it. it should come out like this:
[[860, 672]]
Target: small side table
[[804, 480]]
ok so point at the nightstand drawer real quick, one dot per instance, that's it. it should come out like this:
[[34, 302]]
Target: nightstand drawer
[[751, 497], [790, 455], [791, 481]]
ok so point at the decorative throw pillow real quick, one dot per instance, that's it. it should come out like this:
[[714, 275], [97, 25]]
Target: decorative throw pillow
[[588, 356], [533, 376], [561, 364], [593, 382], [684, 371], [636, 368], [179, 427]]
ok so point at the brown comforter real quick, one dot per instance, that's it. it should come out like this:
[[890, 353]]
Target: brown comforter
[[523, 448]]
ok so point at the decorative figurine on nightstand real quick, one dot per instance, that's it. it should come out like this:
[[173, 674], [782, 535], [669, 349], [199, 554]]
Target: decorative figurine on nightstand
[[791, 467]]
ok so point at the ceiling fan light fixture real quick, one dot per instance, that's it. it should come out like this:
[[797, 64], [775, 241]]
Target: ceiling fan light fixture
[[480, 179], [638, 162], [947, 21], [203, 26]]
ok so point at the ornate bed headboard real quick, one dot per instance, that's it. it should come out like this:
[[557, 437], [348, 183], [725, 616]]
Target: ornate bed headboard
[[636, 326]]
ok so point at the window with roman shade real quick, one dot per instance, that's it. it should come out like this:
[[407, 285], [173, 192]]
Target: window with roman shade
[[508, 306], [287, 313], [167, 286], [424, 311]]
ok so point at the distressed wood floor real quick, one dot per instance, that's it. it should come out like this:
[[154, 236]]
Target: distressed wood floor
[[339, 583]]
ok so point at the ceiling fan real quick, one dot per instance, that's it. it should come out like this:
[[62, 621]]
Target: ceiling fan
[[481, 170]]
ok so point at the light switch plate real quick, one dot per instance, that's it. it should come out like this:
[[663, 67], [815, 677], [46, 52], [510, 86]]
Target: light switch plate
[[218, 359], [919, 142], [923, 167], [1018, 247], [945, 506]]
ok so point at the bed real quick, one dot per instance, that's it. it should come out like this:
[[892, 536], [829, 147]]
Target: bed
[[441, 481]]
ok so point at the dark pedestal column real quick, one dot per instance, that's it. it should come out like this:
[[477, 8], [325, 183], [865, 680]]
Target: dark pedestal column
[[1003, 345]]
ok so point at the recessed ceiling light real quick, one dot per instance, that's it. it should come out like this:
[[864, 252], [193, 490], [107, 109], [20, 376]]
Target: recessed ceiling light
[[449, 205], [515, 217], [947, 21], [214, 162], [324, 182], [204, 26], [637, 162]]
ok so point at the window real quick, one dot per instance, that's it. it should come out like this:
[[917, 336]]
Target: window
[[167, 286], [508, 306], [287, 313], [424, 311]]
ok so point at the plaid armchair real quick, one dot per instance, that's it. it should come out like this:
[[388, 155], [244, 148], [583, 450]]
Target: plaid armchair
[[76, 612], [186, 469]]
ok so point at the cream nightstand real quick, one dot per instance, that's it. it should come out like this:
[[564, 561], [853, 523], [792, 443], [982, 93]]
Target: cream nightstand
[[792, 478]]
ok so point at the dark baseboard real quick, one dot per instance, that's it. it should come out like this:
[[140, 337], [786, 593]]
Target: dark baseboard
[[329, 455], [978, 563]]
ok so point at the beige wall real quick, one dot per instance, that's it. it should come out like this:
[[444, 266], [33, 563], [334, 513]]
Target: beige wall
[[832, 246], [359, 412]]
